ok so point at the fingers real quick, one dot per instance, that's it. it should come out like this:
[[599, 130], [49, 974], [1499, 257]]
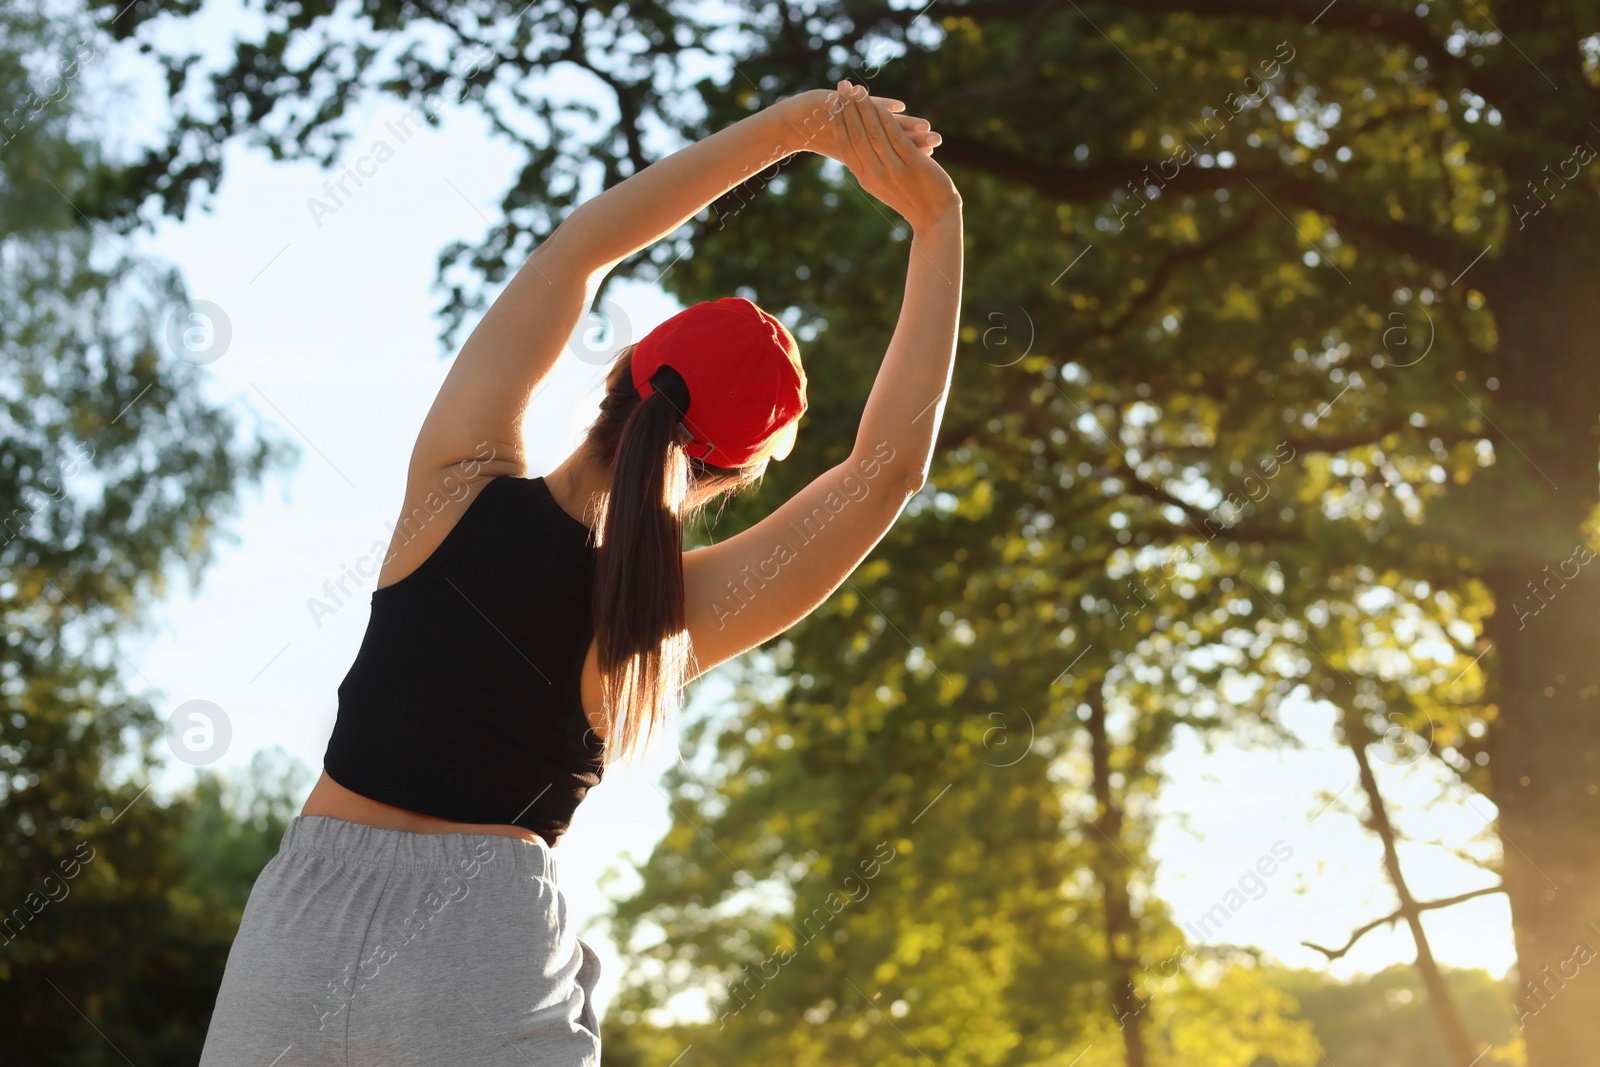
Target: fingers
[[923, 139], [919, 135], [912, 125], [877, 122], [872, 124], [855, 127], [895, 139]]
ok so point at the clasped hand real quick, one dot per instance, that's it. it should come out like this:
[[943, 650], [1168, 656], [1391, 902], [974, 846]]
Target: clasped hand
[[890, 153]]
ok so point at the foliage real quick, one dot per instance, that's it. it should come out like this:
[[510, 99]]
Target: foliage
[[115, 471], [1307, 290], [1381, 1019]]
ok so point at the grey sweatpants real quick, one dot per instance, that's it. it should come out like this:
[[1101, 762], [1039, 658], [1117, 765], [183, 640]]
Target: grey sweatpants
[[367, 947]]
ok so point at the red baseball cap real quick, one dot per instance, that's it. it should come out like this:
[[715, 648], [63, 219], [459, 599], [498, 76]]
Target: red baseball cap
[[742, 367]]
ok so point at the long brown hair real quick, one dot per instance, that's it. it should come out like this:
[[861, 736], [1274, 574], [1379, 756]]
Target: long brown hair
[[639, 618]]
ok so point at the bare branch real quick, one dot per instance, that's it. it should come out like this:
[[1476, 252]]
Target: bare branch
[[1428, 905]]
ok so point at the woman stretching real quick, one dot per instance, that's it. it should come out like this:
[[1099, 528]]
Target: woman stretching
[[526, 632]]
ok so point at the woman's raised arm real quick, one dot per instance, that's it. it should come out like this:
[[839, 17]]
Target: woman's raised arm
[[744, 591], [907, 400], [485, 395]]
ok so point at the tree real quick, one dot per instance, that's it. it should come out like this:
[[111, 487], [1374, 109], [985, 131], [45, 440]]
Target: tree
[[1381, 1019], [1398, 182], [115, 472], [1309, 286]]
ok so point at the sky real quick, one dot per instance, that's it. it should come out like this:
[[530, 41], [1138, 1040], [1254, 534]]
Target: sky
[[333, 329]]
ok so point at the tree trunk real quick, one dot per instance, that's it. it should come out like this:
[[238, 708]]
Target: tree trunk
[[1544, 756], [1121, 930], [1445, 1012], [1544, 743]]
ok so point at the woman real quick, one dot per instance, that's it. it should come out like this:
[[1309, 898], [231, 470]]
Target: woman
[[527, 632]]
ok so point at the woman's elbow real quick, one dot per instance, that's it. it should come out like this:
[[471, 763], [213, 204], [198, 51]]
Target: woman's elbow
[[909, 481]]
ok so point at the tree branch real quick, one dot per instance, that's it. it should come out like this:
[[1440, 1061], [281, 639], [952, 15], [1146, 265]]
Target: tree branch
[[1162, 275], [1079, 184], [1086, 184], [1346, 441], [1426, 905], [1400, 26], [1395, 424], [1198, 518], [1021, 75], [1405, 238]]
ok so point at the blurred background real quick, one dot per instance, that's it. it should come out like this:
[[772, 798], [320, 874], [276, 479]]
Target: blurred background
[[1226, 698]]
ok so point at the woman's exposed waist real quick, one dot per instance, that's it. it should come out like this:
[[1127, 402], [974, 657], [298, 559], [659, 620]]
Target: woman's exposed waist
[[331, 799]]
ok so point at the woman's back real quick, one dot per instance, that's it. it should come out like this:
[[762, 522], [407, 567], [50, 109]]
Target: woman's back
[[508, 633], [464, 702]]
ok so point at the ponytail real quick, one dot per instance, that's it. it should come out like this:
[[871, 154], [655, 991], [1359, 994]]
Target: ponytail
[[643, 649]]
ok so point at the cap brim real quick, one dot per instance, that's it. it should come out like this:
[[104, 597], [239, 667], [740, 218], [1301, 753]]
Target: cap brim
[[784, 441]]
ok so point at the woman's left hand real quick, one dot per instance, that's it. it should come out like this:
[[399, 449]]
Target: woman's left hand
[[814, 122]]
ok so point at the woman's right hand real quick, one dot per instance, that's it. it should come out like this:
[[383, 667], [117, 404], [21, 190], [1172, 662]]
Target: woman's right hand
[[889, 165]]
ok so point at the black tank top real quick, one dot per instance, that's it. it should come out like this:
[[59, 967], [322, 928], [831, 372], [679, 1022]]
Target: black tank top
[[464, 702]]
